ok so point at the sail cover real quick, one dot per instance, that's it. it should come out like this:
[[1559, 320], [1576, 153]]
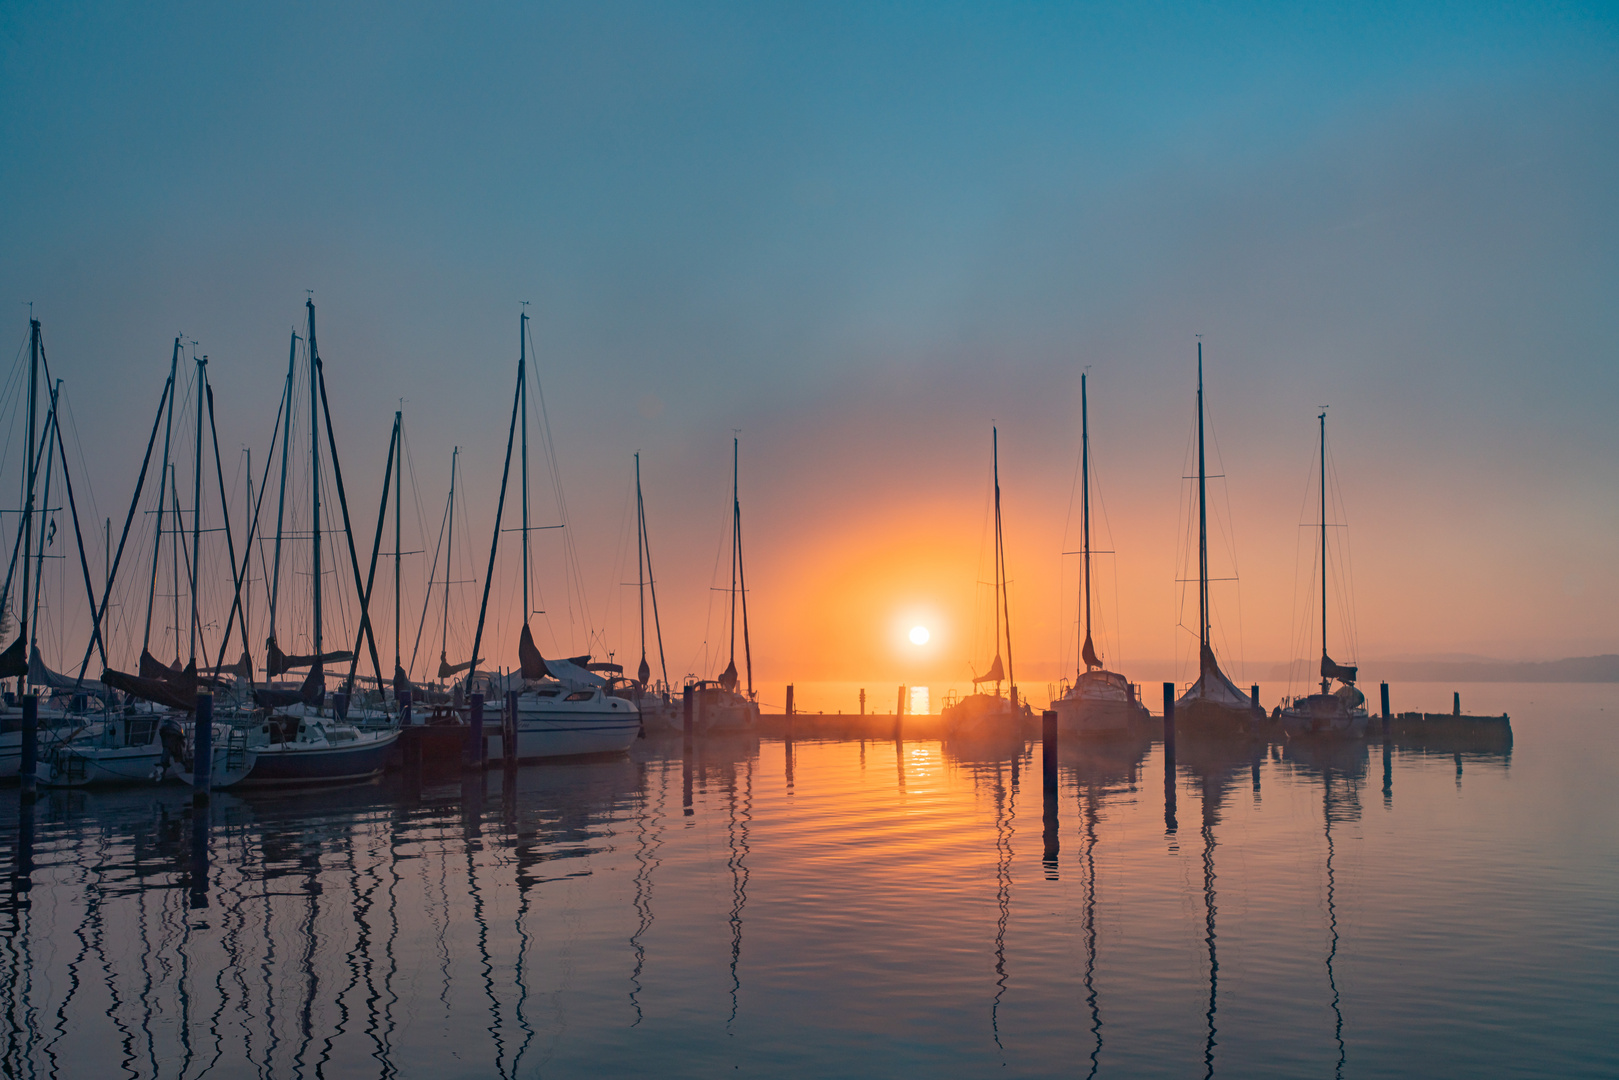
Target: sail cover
[[40, 675], [154, 690], [1213, 686], [528, 656], [14, 661], [1088, 653], [447, 669], [728, 676], [278, 662], [243, 668], [996, 673], [643, 673], [1331, 670], [312, 692]]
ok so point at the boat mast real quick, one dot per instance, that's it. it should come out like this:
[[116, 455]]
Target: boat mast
[[449, 548], [736, 523], [742, 574], [44, 512], [1325, 682], [522, 399], [196, 505], [645, 543], [314, 470], [1000, 571], [32, 466], [1204, 651], [640, 565], [162, 495], [281, 499], [399, 494], [1085, 510]]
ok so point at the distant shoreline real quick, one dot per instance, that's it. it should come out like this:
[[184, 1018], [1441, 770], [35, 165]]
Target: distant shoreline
[[1578, 669]]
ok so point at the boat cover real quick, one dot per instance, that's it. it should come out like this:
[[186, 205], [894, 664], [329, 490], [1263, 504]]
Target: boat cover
[[1213, 686], [156, 691], [40, 675], [311, 692], [996, 672], [14, 661], [1331, 670], [278, 662]]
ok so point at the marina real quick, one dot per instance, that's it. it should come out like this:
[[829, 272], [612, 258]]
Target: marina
[[836, 905]]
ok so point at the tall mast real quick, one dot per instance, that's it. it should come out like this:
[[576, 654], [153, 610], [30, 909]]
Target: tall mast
[[314, 467], [162, 494], [1325, 682], [44, 512], [1085, 506], [1000, 569], [645, 544], [196, 507], [736, 526], [247, 531], [741, 574], [399, 495], [449, 549], [640, 562], [28, 503], [522, 397], [281, 499], [1202, 529]]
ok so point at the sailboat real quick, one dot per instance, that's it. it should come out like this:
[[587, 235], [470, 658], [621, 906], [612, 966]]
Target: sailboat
[[563, 707], [654, 700], [1100, 701], [306, 744], [1331, 714], [719, 705], [980, 714], [1212, 703]]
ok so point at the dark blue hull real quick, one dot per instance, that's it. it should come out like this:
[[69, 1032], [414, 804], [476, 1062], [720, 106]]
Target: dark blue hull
[[291, 763]]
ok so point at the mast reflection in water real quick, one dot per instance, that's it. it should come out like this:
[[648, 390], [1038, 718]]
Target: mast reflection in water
[[573, 919]]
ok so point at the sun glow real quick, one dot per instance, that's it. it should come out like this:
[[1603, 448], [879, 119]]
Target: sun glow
[[919, 635]]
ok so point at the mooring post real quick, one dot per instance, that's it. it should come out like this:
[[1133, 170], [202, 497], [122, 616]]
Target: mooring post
[[1169, 757], [28, 776], [686, 706], [1048, 749], [202, 748], [789, 699], [862, 701], [340, 706], [899, 714], [1456, 703], [478, 751], [508, 732], [405, 719], [1385, 690], [1253, 698], [199, 858]]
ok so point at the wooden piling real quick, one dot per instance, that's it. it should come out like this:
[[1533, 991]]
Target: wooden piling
[[899, 715], [1048, 749], [1456, 703], [28, 777], [1385, 692], [508, 732], [478, 750], [202, 748], [1169, 757]]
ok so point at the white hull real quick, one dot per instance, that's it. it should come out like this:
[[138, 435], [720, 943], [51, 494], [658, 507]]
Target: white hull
[[551, 726], [75, 765]]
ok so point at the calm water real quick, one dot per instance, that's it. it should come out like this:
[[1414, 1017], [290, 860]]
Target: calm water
[[840, 908]]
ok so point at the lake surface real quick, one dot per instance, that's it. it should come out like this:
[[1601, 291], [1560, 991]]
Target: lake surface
[[845, 908]]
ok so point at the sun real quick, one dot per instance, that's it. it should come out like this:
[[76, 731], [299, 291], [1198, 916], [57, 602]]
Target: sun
[[919, 635]]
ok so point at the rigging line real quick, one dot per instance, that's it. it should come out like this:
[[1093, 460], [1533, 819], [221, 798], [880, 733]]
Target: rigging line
[[427, 598]]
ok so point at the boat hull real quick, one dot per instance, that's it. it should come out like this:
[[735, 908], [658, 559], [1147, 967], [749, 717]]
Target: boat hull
[[296, 762], [553, 727], [1087, 716], [1310, 719], [1215, 718], [982, 716]]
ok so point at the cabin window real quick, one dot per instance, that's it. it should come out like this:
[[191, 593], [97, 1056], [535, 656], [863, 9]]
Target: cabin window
[[580, 695], [546, 693]]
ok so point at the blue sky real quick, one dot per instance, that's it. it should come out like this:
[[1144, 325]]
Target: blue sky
[[860, 233]]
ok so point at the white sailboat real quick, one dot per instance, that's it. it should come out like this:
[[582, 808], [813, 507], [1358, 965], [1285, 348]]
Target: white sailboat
[[659, 711], [719, 705], [1329, 714], [1212, 703], [993, 714], [1100, 702], [563, 707]]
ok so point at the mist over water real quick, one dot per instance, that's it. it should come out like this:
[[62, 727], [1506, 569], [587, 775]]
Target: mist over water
[[848, 907]]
